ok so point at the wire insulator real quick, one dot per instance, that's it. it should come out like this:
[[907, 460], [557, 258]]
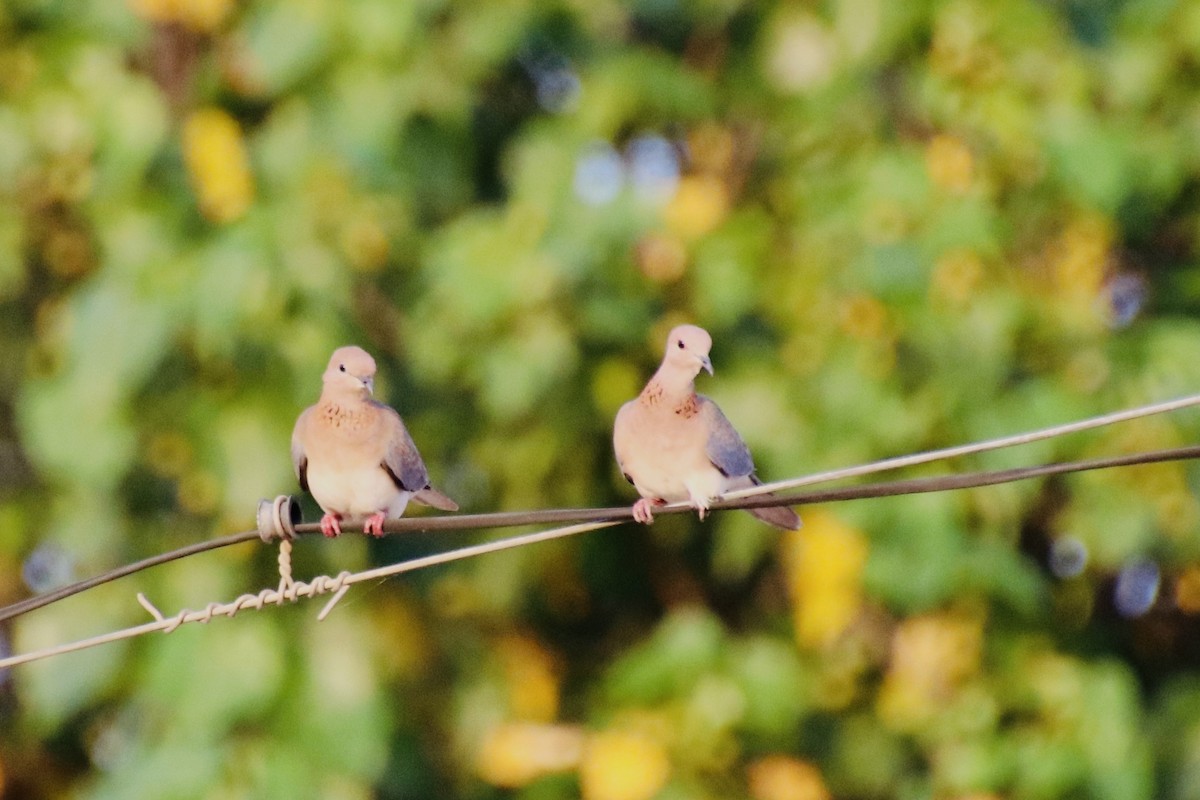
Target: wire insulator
[[278, 518]]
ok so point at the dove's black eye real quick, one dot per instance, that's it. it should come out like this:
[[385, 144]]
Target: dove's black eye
[[342, 367], [680, 343]]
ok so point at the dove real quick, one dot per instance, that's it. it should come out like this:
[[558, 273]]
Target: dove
[[353, 453], [674, 445]]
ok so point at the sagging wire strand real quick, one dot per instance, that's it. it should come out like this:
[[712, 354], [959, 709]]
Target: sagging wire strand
[[580, 521]]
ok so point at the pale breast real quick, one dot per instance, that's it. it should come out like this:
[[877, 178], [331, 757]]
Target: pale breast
[[354, 491], [345, 473], [662, 452]]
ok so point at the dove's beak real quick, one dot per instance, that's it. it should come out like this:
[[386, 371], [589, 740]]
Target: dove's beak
[[706, 365], [370, 384]]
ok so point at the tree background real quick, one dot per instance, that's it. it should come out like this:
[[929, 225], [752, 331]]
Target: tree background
[[907, 225]]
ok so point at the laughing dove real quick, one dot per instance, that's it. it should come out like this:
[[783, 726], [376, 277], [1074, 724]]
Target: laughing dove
[[675, 445], [354, 454]]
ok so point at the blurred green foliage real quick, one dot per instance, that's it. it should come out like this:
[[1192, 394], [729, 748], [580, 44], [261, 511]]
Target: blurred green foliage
[[907, 225]]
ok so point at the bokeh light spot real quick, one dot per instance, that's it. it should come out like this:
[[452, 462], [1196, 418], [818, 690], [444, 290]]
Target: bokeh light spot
[[1136, 588], [599, 175], [653, 168], [1068, 557]]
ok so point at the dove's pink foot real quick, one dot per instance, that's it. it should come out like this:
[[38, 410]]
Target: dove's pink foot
[[643, 510], [374, 524], [330, 525]]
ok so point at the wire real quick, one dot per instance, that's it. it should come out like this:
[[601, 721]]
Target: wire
[[46, 598], [514, 519], [618, 514], [290, 590], [975, 447]]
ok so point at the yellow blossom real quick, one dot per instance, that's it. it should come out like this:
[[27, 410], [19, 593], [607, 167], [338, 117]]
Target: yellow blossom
[[531, 676], [662, 259], [515, 753], [824, 562], [785, 778], [700, 204], [1187, 590], [217, 163], [620, 765], [957, 275], [863, 317], [204, 16], [931, 656], [949, 163], [1079, 256]]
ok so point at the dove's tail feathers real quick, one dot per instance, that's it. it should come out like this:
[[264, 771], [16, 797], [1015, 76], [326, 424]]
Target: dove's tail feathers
[[432, 497], [779, 516]]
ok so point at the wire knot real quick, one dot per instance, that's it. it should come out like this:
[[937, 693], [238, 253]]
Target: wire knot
[[286, 583]]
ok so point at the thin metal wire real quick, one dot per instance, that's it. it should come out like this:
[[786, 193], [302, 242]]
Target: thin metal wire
[[463, 522], [291, 591], [969, 449]]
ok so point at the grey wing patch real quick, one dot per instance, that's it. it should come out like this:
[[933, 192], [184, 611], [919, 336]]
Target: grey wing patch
[[299, 457], [725, 448], [401, 459]]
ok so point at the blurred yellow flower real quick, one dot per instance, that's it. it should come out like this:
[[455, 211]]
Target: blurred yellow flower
[[531, 676], [949, 163], [931, 656], [662, 259], [619, 765], [1187, 590], [701, 203], [216, 158], [957, 275], [515, 753], [1079, 256], [863, 316], [823, 562], [199, 15], [785, 778]]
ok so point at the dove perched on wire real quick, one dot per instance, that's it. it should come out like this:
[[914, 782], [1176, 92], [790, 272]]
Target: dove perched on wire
[[674, 445], [353, 453]]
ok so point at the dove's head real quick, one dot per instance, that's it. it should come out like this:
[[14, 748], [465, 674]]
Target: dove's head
[[351, 370], [687, 349]]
